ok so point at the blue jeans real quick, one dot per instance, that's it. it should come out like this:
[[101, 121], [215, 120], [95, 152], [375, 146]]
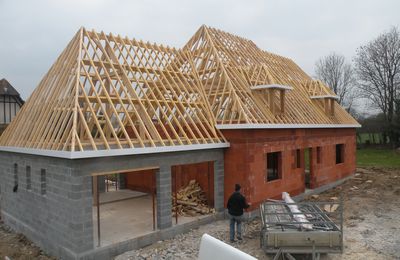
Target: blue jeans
[[232, 221]]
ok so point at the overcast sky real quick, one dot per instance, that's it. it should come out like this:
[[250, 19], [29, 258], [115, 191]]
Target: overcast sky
[[33, 33]]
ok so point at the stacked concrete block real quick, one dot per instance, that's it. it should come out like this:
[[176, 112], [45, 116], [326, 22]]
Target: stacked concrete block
[[164, 201], [121, 181], [53, 205], [48, 206], [219, 185]]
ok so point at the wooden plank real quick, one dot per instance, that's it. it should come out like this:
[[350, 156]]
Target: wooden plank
[[76, 94], [125, 171]]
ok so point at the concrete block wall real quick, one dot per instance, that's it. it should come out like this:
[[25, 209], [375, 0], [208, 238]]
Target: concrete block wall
[[55, 212], [219, 185], [60, 221], [102, 184], [182, 174], [164, 162], [121, 181], [245, 160], [164, 193]]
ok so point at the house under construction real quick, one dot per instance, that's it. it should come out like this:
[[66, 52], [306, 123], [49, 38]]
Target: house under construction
[[146, 120]]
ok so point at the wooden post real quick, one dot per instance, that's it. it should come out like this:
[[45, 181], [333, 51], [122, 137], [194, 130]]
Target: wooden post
[[311, 166], [271, 100], [208, 188], [282, 92], [326, 106], [176, 197], [106, 182], [95, 190], [154, 209], [98, 210]]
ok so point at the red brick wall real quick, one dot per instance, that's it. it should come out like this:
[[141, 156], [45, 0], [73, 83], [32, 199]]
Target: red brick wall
[[143, 181], [245, 160], [203, 173]]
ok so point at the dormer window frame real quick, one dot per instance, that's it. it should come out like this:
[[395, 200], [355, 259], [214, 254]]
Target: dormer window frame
[[271, 93], [329, 103]]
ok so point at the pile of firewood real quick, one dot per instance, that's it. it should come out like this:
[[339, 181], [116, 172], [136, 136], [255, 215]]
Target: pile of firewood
[[190, 201]]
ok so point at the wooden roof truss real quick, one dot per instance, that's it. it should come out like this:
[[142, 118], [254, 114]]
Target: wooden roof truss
[[109, 92], [229, 65]]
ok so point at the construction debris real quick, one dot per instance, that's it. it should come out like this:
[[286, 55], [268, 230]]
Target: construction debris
[[191, 201], [354, 188], [331, 208]]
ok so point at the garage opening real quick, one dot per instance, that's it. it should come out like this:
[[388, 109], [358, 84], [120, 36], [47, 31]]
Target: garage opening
[[192, 191], [124, 205]]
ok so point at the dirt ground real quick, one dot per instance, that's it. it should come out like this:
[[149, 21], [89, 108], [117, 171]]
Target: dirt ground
[[17, 246], [371, 214], [371, 226], [371, 223]]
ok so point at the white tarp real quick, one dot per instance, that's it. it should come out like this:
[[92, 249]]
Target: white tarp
[[212, 248]]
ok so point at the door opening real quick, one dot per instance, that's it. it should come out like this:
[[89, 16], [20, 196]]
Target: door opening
[[307, 167]]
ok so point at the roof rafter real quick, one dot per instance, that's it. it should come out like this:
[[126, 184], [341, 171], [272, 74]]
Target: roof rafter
[[111, 93]]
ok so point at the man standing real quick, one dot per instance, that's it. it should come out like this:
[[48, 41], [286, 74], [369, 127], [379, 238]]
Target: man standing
[[236, 204]]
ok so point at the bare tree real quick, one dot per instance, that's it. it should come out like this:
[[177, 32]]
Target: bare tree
[[338, 75], [378, 71]]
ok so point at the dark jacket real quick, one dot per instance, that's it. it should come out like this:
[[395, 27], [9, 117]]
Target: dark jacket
[[236, 204]]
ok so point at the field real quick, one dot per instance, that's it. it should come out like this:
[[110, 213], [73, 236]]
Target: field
[[378, 157]]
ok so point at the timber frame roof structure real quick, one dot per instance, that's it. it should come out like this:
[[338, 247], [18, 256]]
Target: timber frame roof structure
[[109, 95]]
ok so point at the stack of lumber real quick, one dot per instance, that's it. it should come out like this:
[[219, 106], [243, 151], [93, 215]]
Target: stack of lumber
[[190, 201]]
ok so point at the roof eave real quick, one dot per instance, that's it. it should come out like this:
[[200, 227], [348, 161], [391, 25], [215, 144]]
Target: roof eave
[[112, 152], [284, 126]]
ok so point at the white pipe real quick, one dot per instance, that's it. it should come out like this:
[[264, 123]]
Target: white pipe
[[294, 209]]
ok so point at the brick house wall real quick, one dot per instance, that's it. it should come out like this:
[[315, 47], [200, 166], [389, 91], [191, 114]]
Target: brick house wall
[[203, 173], [245, 160]]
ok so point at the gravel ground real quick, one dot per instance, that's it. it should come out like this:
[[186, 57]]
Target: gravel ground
[[186, 246], [371, 223]]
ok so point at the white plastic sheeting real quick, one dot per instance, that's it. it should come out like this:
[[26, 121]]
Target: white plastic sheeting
[[294, 209], [212, 248]]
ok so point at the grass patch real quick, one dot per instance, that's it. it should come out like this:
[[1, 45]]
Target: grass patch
[[378, 157]]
